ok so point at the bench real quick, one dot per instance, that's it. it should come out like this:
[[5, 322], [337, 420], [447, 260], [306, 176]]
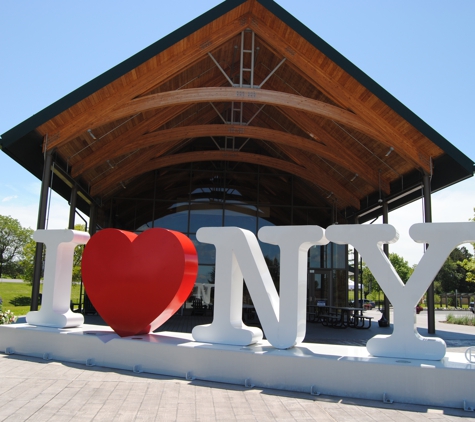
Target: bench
[[359, 321], [198, 307], [331, 320]]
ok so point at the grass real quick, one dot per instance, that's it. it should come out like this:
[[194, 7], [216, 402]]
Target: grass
[[17, 297], [464, 320]]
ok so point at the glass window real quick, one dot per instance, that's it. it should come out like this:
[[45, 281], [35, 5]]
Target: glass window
[[206, 252], [340, 288], [282, 187], [280, 216], [205, 274], [238, 219], [320, 256], [315, 256], [204, 215], [339, 255], [176, 221], [271, 253]]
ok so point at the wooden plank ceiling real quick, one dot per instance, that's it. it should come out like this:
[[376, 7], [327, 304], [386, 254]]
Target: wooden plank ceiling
[[295, 111]]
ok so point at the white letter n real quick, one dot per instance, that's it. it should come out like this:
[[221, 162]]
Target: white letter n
[[239, 256]]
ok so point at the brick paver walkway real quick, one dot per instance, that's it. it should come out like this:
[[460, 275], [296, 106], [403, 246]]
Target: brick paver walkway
[[37, 390]]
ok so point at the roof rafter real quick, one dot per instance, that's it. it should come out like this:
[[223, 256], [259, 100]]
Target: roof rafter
[[91, 116], [385, 132], [321, 179], [336, 155]]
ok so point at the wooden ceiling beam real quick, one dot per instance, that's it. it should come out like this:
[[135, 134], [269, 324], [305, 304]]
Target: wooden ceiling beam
[[386, 133], [317, 132], [172, 64], [354, 163], [109, 151], [337, 155], [300, 158], [246, 95], [146, 164], [149, 125]]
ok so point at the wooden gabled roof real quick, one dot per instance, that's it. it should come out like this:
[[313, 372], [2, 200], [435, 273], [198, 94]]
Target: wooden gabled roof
[[245, 83]]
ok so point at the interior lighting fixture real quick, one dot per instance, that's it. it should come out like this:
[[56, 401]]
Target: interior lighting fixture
[[391, 149], [91, 134], [122, 184], [110, 164], [331, 193], [354, 177]]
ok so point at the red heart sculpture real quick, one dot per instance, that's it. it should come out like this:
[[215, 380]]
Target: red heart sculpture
[[136, 283]]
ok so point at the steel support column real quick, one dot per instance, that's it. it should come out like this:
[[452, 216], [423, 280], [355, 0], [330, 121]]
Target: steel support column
[[92, 218], [35, 290], [430, 290], [92, 230], [72, 207], [356, 273], [386, 251]]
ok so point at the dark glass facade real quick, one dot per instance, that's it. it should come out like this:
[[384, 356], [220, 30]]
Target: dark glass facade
[[220, 205]]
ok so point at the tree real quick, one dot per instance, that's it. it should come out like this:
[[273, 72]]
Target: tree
[[453, 274], [468, 264], [400, 265], [28, 262], [13, 238], [78, 251]]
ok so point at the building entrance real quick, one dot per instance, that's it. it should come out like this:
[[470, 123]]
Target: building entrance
[[320, 286]]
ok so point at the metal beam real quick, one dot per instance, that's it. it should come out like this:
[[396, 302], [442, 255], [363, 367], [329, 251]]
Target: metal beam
[[386, 251], [72, 207], [356, 274], [430, 290], [43, 206]]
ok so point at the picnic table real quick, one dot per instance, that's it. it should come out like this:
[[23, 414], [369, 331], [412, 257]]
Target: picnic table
[[339, 316]]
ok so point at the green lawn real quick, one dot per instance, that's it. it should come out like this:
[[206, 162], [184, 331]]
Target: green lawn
[[20, 295]]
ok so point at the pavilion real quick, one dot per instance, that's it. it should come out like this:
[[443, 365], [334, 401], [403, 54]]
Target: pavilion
[[242, 117]]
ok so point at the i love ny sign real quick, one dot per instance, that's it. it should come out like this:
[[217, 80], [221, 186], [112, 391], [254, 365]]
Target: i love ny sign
[[154, 274]]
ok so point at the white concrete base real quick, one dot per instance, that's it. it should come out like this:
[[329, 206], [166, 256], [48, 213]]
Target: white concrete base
[[314, 368]]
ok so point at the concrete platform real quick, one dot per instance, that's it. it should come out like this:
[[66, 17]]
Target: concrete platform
[[310, 368]]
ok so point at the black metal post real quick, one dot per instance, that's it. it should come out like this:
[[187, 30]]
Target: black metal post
[[72, 207], [92, 230], [430, 290], [92, 219], [43, 206], [356, 275], [386, 251]]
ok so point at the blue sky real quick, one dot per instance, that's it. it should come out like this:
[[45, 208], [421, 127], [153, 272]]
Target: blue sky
[[422, 52]]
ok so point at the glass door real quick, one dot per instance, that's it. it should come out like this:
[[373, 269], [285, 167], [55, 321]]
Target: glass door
[[319, 287]]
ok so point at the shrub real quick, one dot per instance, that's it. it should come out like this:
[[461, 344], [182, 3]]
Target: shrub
[[464, 320]]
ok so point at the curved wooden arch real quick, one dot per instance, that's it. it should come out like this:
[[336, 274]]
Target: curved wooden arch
[[337, 155], [321, 180], [246, 95], [226, 94]]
